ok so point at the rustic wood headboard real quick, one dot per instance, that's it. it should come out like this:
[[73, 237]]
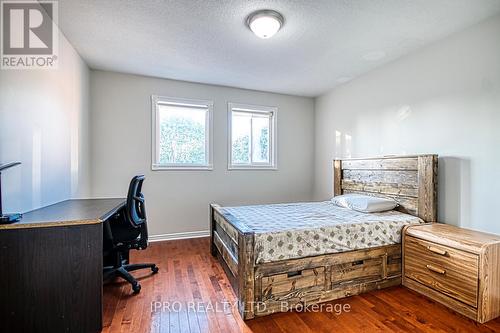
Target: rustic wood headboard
[[410, 180]]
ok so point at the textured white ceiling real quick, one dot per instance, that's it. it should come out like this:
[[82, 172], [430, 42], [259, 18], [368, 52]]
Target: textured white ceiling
[[322, 44]]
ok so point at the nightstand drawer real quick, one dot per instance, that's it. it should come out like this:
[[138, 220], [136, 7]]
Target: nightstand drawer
[[450, 271]]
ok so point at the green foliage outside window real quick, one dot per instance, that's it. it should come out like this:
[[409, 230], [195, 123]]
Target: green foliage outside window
[[241, 148], [182, 140], [264, 144]]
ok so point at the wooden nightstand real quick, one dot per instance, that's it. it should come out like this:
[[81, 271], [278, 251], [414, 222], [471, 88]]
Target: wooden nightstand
[[457, 267]]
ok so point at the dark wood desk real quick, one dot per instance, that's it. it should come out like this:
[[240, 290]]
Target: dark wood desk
[[51, 268]]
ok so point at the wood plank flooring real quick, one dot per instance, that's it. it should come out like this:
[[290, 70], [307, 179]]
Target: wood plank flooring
[[192, 294]]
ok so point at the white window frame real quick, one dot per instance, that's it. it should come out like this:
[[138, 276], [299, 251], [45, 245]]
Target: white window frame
[[273, 144], [155, 138]]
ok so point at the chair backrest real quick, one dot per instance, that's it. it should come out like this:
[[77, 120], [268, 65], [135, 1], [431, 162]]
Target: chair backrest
[[135, 210]]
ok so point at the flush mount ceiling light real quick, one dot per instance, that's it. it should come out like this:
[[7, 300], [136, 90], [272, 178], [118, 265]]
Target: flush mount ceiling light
[[265, 23]]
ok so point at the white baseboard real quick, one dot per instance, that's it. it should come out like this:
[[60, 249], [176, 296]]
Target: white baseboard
[[179, 235]]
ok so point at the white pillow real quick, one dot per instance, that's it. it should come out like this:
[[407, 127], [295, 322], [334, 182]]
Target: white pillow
[[364, 203]]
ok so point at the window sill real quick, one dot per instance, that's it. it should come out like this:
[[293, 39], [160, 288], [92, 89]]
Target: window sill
[[252, 167], [182, 168]]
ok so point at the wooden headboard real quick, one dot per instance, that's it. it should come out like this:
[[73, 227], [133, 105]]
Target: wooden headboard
[[410, 180]]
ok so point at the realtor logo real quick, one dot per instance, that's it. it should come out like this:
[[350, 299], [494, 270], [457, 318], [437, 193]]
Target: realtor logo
[[29, 34]]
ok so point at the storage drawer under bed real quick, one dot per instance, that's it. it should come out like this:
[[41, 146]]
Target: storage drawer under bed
[[281, 286], [366, 270], [368, 266]]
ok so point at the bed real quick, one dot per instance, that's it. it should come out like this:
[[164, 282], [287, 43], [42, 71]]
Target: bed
[[282, 256]]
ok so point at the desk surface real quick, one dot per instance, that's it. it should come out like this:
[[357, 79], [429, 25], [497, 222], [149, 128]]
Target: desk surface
[[69, 212]]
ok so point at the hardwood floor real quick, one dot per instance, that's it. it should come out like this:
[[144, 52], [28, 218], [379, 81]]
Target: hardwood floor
[[192, 294]]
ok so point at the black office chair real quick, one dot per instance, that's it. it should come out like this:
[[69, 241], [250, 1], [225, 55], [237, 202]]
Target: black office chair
[[125, 231]]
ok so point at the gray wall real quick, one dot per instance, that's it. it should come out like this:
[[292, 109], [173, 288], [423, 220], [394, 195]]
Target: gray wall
[[177, 201], [443, 99], [44, 124]]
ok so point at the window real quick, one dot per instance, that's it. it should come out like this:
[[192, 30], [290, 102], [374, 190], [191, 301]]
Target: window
[[252, 136], [181, 133]]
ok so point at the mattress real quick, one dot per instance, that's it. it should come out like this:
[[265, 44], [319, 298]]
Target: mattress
[[296, 230]]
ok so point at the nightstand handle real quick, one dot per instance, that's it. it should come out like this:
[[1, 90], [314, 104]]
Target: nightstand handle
[[436, 269], [438, 251]]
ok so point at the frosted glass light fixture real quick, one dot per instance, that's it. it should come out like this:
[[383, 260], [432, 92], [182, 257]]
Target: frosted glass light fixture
[[265, 23]]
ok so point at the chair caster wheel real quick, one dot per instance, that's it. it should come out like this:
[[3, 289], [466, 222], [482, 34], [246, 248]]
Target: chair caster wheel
[[136, 288], [155, 269]]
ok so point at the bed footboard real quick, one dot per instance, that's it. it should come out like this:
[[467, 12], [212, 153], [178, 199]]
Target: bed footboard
[[234, 246]]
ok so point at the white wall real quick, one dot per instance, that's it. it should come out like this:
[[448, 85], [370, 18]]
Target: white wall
[[443, 99], [44, 125], [177, 201]]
